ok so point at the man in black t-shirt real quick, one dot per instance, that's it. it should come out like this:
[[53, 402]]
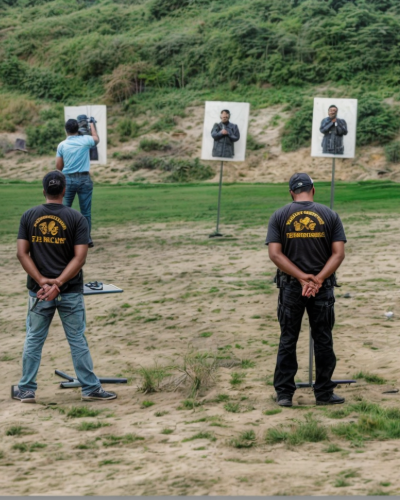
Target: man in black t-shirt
[[52, 246], [306, 242]]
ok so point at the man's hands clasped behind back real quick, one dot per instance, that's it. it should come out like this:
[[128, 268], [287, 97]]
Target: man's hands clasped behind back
[[311, 285], [48, 292]]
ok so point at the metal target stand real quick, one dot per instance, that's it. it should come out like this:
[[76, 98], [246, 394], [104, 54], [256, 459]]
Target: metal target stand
[[217, 234], [310, 382]]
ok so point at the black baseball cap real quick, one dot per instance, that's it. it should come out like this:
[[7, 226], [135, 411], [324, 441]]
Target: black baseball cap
[[54, 182], [298, 181]]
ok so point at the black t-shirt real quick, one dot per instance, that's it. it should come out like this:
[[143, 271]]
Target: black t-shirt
[[306, 231], [52, 231]]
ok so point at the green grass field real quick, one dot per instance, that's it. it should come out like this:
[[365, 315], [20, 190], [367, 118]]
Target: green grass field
[[243, 204]]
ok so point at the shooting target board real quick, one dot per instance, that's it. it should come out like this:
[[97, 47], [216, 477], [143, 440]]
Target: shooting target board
[[324, 139], [239, 115]]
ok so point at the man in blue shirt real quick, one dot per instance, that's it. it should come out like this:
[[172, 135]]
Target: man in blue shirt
[[73, 159]]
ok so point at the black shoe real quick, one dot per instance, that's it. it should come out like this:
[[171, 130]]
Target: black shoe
[[25, 396], [284, 400], [333, 400], [91, 244], [99, 394]]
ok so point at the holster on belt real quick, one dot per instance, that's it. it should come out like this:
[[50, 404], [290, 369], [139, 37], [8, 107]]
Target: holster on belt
[[282, 278]]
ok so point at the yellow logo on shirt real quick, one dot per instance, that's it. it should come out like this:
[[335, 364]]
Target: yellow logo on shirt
[[305, 223], [49, 230]]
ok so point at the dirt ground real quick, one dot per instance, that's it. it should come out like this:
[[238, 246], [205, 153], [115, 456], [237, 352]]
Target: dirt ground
[[184, 292]]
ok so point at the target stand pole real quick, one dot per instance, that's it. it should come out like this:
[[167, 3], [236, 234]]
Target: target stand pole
[[333, 184], [217, 233]]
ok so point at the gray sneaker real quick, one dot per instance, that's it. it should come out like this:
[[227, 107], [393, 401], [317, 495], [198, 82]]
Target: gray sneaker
[[25, 396], [99, 394]]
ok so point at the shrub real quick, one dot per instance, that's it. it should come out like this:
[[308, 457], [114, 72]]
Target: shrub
[[147, 162], [378, 122], [297, 130], [188, 170], [164, 124], [392, 152], [16, 111], [154, 145], [45, 138], [162, 8], [151, 378], [39, 82], [128, 129], [198, 371], [126, 80]]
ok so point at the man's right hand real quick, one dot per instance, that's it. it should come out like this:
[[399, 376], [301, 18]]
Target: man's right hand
[[311, 285], [48, 292]]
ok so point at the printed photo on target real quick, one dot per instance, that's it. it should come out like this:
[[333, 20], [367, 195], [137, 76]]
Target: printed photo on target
[[225, 131], [334, 127], [98, 154]]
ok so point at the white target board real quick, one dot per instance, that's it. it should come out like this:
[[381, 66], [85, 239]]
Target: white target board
[[99, 113], [334, 128], [225, 130]]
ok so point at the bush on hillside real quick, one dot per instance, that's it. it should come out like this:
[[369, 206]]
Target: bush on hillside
[[39, 82], [188, 171], [128, 79], [162, 8], [297, 130], [154, 145], [44, 138], [15, 112], [392, 152], [127, 128], [180, 170], [378, 123]]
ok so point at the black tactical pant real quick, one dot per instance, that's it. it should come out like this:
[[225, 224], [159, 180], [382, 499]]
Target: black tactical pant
[[320, 310]]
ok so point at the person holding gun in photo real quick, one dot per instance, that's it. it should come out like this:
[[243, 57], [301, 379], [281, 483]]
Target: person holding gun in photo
[[73, 160]]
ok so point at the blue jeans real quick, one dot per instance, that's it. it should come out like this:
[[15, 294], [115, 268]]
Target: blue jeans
[[71, 309], [82, 185]]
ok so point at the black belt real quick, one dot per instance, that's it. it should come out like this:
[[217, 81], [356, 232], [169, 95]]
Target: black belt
[[79, 173], [287, 278]]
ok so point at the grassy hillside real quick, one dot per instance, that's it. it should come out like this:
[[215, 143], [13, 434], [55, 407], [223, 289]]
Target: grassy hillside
[[159, 56]]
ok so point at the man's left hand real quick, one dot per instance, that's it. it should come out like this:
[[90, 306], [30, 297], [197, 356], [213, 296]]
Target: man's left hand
[[48, 292], [310, 289]]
